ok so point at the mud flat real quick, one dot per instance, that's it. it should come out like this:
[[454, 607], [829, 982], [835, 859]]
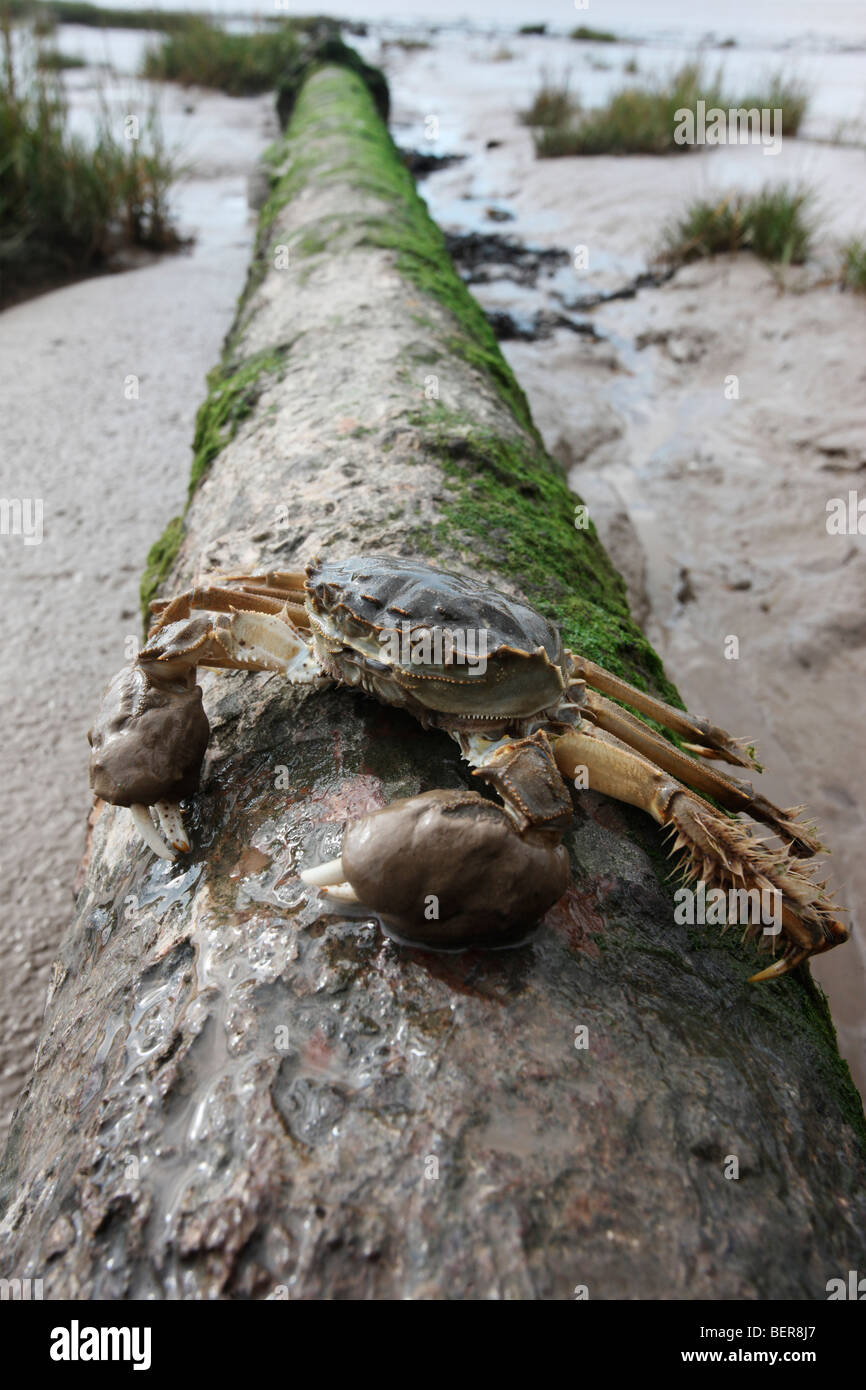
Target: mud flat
[[108, 468], [241, 1092]]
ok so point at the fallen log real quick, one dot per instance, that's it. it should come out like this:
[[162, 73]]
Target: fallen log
[[240, 1092]]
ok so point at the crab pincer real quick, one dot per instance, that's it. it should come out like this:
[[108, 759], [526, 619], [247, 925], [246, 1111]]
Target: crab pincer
[[150, 735], [147, 746], [447, 869]]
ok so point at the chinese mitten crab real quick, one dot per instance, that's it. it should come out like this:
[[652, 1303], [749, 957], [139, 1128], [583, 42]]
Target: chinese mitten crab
[[528, 715]]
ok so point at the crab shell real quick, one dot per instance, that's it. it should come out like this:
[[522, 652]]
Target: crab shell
[[375, 619]]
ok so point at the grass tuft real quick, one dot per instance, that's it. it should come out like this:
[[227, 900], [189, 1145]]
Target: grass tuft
[[643, 119], [854, 265], [47, 14], [585, 34], [51, 60], [553, 106], [775, 223], [781, 94], [67, 207], [202, 54], [408, 45]]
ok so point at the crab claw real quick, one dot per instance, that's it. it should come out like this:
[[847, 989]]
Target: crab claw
[[172, 826], [447, 869], [325, 875], [147, 742], [148, 831], [147, 746]]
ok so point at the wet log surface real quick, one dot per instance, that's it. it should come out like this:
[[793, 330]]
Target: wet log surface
[[240, 1092]]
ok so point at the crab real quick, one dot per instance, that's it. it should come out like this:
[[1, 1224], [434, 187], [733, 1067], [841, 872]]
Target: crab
[[534, 720]]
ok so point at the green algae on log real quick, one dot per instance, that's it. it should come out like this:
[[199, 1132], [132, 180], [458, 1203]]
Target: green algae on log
[[241, 1093]]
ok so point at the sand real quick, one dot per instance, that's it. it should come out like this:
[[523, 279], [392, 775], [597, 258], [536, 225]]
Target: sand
[[111, 472]]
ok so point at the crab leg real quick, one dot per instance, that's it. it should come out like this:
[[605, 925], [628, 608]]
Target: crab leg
[[729, 792], [284, 585], [707, 740], [719, 851], [253, 638], [275, 579], [241, 599], [290, 599], [215, 599]]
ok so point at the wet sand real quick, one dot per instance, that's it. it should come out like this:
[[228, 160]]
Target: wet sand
[[111, 472]]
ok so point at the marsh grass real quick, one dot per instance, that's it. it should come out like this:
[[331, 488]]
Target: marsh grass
[[777, 224], [408, 45], [553, 105], [787, 95], [641, 118], [202, 54], [68, 207], [47, 14], [51, 60], [584, 34], [853, 275], [636, 120]]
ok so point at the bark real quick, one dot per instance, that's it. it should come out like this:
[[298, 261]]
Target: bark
[[239, 1092]]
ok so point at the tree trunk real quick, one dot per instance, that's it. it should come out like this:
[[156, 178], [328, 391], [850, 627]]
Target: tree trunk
[[239, 1092]]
